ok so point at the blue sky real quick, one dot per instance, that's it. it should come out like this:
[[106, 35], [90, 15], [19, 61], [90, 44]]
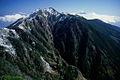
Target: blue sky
[[106, 7], [110, 7]]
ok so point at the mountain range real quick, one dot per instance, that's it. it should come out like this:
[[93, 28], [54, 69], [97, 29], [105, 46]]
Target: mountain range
[[49, 45]]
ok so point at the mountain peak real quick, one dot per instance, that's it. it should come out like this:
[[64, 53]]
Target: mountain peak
[[46, 12], [50, 10]]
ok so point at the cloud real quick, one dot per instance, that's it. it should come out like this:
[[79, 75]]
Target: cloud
[[105, 18], [82, 12], [115, 20], [11, 18]]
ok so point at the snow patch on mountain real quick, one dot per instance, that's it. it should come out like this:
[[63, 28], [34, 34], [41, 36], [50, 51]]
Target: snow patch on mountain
[[50, 11], [4, 34], [22, 26]]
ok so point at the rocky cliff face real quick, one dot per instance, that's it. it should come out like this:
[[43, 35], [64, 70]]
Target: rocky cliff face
[[49, 45]]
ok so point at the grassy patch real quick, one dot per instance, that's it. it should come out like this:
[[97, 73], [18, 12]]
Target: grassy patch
[[8, 77]]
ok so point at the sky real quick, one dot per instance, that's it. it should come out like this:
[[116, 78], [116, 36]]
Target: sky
[[10, 10]]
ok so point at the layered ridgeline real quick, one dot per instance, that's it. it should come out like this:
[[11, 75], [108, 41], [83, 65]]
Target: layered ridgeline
[[49, 45]]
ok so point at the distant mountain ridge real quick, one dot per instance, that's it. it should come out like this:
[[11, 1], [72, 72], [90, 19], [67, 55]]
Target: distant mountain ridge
[[49, 45]]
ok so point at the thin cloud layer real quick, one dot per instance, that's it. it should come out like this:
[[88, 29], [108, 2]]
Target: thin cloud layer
[[115, 20], [105, 18], [11, 18]]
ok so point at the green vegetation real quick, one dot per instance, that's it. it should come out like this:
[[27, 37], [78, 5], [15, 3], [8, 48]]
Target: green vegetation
[[8, 77]]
